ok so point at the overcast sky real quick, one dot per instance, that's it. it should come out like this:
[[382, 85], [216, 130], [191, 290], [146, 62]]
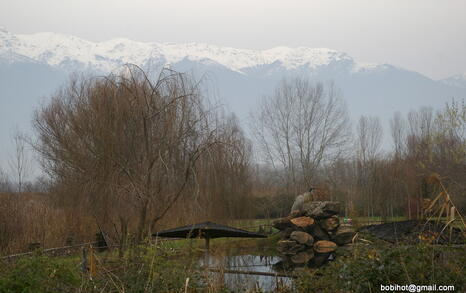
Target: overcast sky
[[428, 36]]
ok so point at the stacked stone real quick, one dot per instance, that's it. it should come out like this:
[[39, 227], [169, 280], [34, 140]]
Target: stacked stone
[[311, 233]]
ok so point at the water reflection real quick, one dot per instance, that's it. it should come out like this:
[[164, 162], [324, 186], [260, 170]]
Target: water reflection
[[247, 263], [288, 264], [230, 265]]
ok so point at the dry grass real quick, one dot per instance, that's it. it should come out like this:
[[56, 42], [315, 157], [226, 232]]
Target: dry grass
[[27, 218]]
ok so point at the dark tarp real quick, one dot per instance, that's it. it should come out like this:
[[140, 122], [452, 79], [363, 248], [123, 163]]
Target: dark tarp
[[207, 230]]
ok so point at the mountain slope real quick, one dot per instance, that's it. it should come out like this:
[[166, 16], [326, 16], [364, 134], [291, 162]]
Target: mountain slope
[[71, 53], [458, 80], [33, 66]]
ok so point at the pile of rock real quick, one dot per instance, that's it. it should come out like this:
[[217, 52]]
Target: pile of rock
[[311, 234]]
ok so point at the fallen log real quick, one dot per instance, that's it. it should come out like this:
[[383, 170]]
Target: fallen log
[[344, 238], [330, 224], [318, 260], [324, 246], [289, 247], [283, 224], [287, 233], [302, 257], [344, 228], [302, 221], [317, 232], [302, 238]]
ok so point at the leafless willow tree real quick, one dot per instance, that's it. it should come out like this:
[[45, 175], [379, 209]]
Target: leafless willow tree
[[129, 143], [298, 128]]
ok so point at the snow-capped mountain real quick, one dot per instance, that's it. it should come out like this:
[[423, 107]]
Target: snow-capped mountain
[[71, 54], [458, 80], [33, 66]]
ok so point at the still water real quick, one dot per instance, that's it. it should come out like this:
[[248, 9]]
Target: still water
[[247, 263]]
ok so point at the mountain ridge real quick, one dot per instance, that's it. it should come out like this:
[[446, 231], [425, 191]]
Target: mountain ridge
[[33, 67], [56, 50], [71, 53]]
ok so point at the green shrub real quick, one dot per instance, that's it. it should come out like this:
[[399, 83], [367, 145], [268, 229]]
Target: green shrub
[[368, 267], [145, 269], [39, 274]]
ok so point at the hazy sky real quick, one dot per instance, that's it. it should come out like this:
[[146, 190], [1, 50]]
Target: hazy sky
[[428, 36]]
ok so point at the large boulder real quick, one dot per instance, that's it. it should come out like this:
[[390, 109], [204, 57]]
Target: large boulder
[[321, 209], [298, 205]]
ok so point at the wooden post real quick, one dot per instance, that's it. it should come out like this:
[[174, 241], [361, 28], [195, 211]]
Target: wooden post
[[92, 268], [452, 220], [186, 285], [84, 263], [207, 256], [207, 244], [88, 262]]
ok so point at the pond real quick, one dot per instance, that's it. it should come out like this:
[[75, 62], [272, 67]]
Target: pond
[[231, 266]]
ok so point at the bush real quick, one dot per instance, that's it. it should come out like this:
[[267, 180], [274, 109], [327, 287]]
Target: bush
[[153, 270], [39, 274], [368, 267]]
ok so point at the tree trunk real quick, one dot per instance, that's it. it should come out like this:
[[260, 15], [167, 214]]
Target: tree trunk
[[123, 237], [142, 223]]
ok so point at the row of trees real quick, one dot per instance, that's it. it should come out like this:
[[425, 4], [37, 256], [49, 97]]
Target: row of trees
[[127, 154], [303, 138]]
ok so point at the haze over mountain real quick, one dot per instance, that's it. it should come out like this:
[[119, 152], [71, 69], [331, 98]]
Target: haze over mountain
[[33, 66]]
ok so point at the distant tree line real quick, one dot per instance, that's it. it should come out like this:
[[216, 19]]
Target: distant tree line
[[128, 154]]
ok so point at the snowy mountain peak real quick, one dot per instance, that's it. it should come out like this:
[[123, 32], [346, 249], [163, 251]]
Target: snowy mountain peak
[[458, 80], [72, 53], [7, 40]]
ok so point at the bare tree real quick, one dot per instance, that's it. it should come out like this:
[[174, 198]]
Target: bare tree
[[398, 132], [368, 145], [5, 183], [370, 134], [420, 131], [451, 126], [126, 142], [299, 127], [19, 162]]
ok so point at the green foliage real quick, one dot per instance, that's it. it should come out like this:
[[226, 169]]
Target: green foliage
[[39, 274], [166, 267], [368, 267], [151, 270]]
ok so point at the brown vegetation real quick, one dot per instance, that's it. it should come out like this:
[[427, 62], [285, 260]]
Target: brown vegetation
[[127, 155], [124, 152]]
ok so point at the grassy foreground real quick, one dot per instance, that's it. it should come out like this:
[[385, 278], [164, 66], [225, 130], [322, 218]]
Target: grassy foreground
[[174, 267]]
